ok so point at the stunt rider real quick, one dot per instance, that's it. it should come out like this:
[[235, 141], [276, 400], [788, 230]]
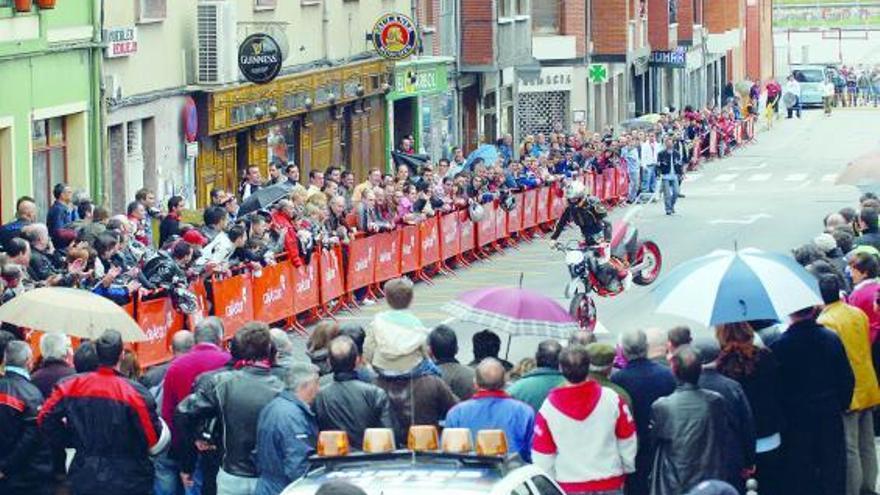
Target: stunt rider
[[588, 213]]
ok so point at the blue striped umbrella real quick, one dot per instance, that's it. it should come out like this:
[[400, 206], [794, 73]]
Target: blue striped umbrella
[[733, 286]]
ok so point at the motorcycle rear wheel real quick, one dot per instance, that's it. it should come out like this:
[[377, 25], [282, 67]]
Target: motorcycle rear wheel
[[648, 251], [583, 309]]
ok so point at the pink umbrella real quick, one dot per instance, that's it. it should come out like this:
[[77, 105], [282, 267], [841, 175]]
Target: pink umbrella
[[513, 310]]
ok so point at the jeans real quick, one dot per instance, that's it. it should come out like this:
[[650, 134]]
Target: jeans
[[649, 178], [167, 479], [633, 183], [670, 190], [229, 484], [795, 108], [861, 456]]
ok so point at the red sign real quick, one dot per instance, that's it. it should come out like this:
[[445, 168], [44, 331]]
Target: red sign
[[429, 242], [500, 222], [273, 292], [198, 289], [409, 260], [305, 286], [542, 205], [387, 262], [486, 226], [610, 177], [450, 241], [360, 259], [234, 302], [466, 239], [159, 321], [332, 284], [530, 207]]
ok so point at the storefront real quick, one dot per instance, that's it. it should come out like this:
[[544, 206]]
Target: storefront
[[543, 104], [49, 108], [314, 119], [421, 105]]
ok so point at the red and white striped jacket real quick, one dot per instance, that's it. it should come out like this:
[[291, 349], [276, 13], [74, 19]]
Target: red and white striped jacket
[[585, 438]]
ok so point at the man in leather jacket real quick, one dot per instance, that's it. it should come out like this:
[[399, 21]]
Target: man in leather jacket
[[236, 398], [689, 428], [588, 213], [350, 404]]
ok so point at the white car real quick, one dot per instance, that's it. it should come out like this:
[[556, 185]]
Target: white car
[[408, 473]]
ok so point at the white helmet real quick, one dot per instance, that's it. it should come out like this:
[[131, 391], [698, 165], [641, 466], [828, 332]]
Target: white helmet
[[574, 190]]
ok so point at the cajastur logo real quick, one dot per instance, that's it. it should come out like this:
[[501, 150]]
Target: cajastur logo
[[395, 36]]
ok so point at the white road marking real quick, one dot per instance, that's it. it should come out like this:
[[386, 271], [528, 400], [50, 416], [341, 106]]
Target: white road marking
[[725, 177], [747, 220], [693, 177], [760, 177], [829, 177], [795, 177], [748, 167]]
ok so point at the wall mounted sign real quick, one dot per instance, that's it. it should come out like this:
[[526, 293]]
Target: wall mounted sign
[[395, 36], [676, 59], [259, 58], [550, 79], [121, 42]]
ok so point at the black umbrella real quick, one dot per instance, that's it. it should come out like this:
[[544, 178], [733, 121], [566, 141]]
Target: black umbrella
[[413, 162], [264, 198]]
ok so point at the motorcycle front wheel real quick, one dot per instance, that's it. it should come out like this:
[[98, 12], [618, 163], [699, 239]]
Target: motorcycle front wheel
[[649, 254], [583, 309]]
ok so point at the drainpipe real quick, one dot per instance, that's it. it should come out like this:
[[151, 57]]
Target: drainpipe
[[588, 57], [96, 150], [325, 31]]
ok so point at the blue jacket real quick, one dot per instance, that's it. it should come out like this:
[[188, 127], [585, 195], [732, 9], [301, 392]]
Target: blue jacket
[[59, 215], [496, 410], [286, 434]]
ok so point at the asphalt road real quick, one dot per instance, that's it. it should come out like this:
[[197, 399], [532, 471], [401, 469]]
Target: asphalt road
[[771, 194]]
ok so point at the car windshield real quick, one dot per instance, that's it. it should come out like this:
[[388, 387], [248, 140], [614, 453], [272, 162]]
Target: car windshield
[[809, 76]]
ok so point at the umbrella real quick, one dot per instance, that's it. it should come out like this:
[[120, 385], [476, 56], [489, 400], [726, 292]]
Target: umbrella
[[264, 198], [863, 171], [514, 311], [734, 286], [413, 162], [487, 152], [651, 117], [75, 312]]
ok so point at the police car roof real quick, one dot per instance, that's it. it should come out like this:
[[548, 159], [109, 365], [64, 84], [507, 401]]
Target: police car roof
[[407, 473]]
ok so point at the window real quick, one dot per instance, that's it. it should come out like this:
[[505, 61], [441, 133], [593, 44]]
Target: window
[[673, 11], [545, 486], [50, 158], [545, 16], [503, 8], [151, 11], [265, 4], [521, 7], [5, 3]]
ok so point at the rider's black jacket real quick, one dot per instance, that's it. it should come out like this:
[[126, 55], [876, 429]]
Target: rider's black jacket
[[589, 215]]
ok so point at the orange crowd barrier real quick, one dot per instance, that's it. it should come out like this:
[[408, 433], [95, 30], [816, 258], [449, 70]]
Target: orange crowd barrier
[[284, 292]]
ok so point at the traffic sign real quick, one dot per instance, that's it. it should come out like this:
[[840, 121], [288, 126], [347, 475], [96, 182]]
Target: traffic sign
[[597, 73]]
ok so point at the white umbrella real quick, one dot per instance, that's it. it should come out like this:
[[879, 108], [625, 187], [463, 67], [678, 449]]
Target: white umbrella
[[75, 312]]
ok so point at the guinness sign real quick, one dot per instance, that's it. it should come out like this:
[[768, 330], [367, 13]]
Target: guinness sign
[[259, 58]]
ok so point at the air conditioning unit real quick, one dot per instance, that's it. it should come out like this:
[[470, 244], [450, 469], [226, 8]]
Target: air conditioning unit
[[216, 42]]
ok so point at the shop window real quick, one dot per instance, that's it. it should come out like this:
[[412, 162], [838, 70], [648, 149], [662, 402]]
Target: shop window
[[265, 4], [545, 16], [283, 142], [151, 10], [522, 7], [49, 139]]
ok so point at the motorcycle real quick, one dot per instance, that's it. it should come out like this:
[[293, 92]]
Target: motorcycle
[[639, 259]]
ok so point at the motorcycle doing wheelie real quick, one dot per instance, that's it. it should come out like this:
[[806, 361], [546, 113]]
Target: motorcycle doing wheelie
[[608, 268]]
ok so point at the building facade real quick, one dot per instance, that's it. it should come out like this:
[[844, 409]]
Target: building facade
[[49, 106]]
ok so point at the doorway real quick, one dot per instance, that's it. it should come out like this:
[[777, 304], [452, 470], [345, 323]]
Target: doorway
[[404, 120], [242, 158]]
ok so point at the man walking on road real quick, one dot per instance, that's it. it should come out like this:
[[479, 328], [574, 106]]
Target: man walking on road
[[793, 87], [669, 167], [649, 151]]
